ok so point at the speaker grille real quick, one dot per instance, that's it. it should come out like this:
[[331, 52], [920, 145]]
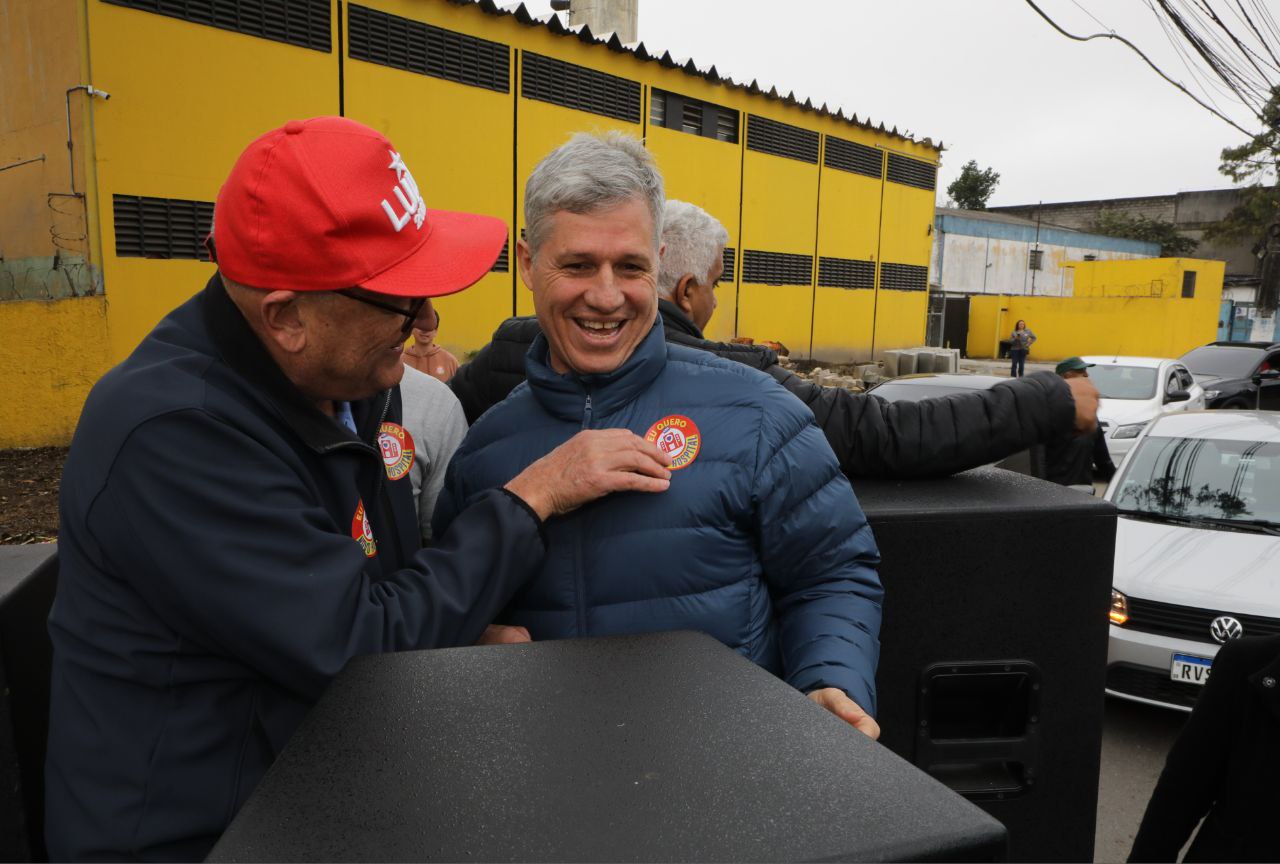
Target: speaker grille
[[413, 46], [846, 273], [578, 87], [161, 227], [781, 139], [904, 277], [305, 23], [1146, 684], [912, 172], [1167, 619], [776, 268], [850, 156]]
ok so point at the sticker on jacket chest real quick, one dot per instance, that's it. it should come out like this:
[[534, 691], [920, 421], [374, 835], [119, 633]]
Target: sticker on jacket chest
[[362, 531], [677, 436], [396, 445]]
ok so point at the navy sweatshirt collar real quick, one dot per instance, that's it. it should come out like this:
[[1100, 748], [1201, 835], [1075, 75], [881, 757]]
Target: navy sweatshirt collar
[[564, 396]]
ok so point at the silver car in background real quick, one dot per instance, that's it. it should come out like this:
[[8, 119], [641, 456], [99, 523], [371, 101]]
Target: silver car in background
[[1197, 558], [1136, 390]]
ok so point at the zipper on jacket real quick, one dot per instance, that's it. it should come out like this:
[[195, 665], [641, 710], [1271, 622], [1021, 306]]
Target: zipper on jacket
[[580, 582]]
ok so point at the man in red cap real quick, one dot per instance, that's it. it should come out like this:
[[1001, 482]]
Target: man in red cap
[[237, 517]]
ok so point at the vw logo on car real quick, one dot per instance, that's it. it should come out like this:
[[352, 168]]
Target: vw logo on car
[[1225, 627]]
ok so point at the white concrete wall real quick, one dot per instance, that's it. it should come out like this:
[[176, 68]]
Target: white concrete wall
[[980, 265]]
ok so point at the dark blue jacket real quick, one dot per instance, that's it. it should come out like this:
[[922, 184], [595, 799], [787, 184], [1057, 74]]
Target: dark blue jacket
[[758, 542], [213, 580]]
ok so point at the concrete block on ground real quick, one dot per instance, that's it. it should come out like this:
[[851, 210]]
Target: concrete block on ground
[[890, 361]]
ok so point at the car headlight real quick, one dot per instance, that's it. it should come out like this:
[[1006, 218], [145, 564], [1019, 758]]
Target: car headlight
[[1119, 607], [1212, 394], [1131, 430]]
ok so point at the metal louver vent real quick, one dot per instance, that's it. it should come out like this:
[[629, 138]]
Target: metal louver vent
[[729, 258], [776, 268], [781, 139], [413, 46], [502, 265], [305, 23], [161, 227], [912, 172], [693, 116], [578, 87], [854, 157], [846, 273], [904, 277]]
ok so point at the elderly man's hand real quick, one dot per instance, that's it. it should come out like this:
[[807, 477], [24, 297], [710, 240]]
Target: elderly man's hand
[[503, 634], [588, 466], [1085, 394], [835, 701]]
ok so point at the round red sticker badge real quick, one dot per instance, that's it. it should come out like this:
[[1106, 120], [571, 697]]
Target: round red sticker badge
[[362, 531], [396, 445], [678, 437]]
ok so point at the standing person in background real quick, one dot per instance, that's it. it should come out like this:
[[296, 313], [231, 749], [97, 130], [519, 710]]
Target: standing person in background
[[426, 356], [1019, 347], [1078, 460]]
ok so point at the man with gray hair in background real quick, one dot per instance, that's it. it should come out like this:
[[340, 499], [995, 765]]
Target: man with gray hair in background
[[758, 541], [870, 437]]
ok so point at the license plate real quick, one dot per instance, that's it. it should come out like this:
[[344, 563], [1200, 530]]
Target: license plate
[[1190, 670]]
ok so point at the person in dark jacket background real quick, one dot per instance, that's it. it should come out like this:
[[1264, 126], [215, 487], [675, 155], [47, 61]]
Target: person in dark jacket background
[[237, 520], [870, 437], [759, 541], [1080, 460], [1224, 766]]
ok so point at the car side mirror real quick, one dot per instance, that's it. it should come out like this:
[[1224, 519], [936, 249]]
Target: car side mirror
[[1269, 375], [1176, 396]]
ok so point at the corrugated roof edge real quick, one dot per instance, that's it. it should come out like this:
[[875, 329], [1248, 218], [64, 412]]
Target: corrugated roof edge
[[522, 15]]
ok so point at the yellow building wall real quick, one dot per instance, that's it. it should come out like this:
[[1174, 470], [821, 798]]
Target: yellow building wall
[[1109, 318], [906, 223], [52, 353], [181, 111], [848, 227], [184, 108], [779, 214], [457, 140]]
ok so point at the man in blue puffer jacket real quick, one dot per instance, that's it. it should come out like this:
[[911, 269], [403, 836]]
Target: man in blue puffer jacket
[[758, 541]]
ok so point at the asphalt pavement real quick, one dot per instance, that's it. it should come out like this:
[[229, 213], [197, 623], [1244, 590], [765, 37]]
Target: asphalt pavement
[[1135, 740]]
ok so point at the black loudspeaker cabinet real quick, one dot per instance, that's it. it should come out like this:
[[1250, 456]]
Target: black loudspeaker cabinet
[[994, 644]]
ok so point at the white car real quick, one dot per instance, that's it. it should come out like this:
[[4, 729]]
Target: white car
[[1134, 391], [1197, 550]]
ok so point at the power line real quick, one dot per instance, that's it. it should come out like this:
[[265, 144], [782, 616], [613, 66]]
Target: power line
[[1215, 112]]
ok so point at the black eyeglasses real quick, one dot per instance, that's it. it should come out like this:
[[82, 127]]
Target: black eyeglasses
[[411, 314]]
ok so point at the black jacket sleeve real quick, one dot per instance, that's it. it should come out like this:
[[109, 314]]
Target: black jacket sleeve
[[496, 369], [1196, 765], [936, 437]]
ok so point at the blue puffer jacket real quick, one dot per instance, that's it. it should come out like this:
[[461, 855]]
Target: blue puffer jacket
[[758, 542]]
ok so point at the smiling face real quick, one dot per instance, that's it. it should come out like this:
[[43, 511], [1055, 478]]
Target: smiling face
[[354, 350], [594, 284]]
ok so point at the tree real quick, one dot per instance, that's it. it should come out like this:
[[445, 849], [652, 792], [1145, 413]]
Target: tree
[[973, 187], [1255, 162], [1117, 223]]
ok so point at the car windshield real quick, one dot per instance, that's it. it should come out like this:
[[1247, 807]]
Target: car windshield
[[902, 392], [1124, 382], [1222, 361], [1217, 481]]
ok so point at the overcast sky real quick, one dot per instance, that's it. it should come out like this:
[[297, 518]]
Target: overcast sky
[[1060, 120]]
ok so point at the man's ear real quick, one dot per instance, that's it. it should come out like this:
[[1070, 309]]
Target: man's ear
[[524, 261], [283, 321], [681, 291]]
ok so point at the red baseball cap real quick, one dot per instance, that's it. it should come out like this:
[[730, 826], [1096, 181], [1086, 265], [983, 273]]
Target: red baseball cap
[[327, 203]]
